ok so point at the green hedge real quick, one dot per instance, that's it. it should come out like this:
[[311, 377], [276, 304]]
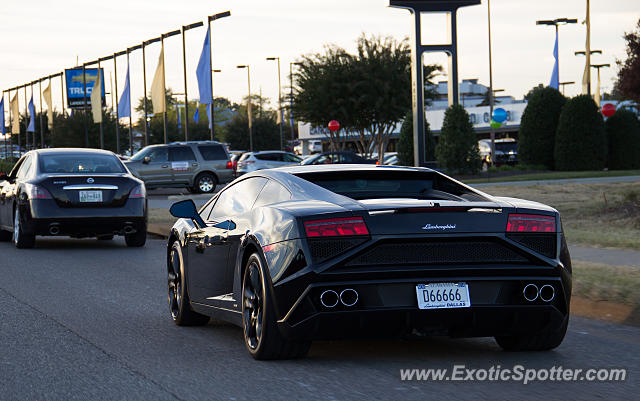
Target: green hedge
[[623, 132], [581, 142], [457, 148], [538, 127], [405, 142]]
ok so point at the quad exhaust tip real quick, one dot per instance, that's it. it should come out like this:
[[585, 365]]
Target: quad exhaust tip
[[128, 230], [329, 298], [54, 229], [547, 293], [348, 297], [530, 292]]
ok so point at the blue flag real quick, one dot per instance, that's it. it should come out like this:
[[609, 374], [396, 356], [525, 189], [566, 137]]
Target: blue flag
[[209, 116], [555, 76], [32, 116], [124, 106], [203, 72], [4, 129], [196, 115]]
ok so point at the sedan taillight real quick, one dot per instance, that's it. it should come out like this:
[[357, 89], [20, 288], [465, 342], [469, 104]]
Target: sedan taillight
[[37, 192], [531, 223], [336, 227], [138, 192]]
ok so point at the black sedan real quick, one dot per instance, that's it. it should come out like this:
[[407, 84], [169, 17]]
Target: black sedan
[[71, 192], [302, 253]]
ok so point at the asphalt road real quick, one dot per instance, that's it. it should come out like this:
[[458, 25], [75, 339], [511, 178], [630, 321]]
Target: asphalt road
[[88, 320]]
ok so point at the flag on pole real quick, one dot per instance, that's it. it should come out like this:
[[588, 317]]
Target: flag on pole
[[203, 72], [196, 115], [555, 78], [596, 96], [32, 116], [4, 130], [157, 87], [96, 98], [124, 106], [15, 111], [47, 98], [209, 116]]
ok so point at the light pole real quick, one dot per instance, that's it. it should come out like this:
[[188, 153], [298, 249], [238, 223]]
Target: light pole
[[249, 106], [597, 67], [587, 71], [556, 22], [291, 97], [491, 91], [563, 84], [144, 82], [211, 106], [184, 69], [279, 103]]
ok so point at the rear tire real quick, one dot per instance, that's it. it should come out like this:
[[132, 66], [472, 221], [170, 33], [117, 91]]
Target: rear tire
[[262, 337], [205, 183], [179, 303], [547, 339], [20, 239], [137, 239]]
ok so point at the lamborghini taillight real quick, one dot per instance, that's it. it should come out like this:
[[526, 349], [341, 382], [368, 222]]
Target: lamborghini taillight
[[348, 226], [531, 223]]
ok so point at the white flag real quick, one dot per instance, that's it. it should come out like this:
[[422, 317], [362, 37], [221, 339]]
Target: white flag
[[157, 87], [96, 99], [47, 98]]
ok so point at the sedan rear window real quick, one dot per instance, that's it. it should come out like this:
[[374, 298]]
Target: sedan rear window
[[392, 184], [80, 163]]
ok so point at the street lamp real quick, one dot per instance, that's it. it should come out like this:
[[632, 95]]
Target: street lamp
[[587, 71], [556, 22], [563, 84], [279, 102], [249, 105], [291, 96], [597, 67], [184, 70], [211, 107]]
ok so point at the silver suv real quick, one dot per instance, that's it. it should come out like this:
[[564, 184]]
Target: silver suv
[[199, 166], [252, 161]]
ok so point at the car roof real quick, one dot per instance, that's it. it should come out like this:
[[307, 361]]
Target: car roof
[[72, 150], [321, 168]]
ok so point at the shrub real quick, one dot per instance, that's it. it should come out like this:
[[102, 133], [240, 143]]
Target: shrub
[[581, 142], [405, 142], [623, 132], [457, 148], [538, 127]]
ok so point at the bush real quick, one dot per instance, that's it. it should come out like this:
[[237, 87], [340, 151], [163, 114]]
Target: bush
[[457, 148], [405, 142], [581, 142], [623, 132], [538, 127], [6, 165]]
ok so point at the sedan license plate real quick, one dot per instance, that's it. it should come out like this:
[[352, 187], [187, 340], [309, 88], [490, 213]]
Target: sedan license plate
[[443, 295], [90, 196]]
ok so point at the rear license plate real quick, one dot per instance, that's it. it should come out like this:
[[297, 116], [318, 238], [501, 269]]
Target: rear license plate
[[90, 196], [443, 295]]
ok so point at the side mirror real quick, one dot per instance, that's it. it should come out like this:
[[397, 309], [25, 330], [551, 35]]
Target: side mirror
[[186, 209], [146, 160]]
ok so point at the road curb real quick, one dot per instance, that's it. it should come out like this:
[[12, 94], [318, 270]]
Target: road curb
[[159, 230]]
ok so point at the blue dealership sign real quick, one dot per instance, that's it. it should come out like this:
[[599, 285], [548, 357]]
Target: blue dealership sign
[[76, 85]]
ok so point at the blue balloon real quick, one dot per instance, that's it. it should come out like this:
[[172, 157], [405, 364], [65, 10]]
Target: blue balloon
[[499, 115]]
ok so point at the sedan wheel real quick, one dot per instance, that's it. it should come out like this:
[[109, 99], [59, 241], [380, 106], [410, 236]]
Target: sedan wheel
[[262, 337], [20, 239], [179, 304]]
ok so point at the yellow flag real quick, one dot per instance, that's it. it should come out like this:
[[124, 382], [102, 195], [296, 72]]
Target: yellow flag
[[96, 99], [596, 96], [47, 98], [157, 87], [15, 111]]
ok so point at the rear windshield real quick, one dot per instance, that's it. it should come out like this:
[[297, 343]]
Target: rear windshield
[[212, 152], [507, 146], [80, 163], [392, 184]]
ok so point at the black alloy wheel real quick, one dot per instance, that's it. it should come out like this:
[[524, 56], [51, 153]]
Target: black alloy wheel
[[252, 305], [179, 307]]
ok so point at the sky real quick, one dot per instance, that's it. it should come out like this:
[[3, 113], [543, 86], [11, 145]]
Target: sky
[[43, 37]]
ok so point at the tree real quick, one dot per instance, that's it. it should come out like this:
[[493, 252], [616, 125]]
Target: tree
[[405, 142], [266, 133], [457, 148], [486, 101], [538, 127], [69, 131], [623, 132], [628, 83], [368, 93], [581, 142]]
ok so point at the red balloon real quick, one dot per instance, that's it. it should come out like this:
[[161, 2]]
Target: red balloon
[[608, 109], [334, 125]]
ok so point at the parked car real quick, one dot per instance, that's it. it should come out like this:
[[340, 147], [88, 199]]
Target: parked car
[[314, 146], [391, 159], [199, 166], [313, 252], [506, 151], [252, 161], [336, 158], [234, 156], [71, 192]]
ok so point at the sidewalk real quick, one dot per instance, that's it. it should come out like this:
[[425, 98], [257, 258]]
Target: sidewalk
[[613, 257]]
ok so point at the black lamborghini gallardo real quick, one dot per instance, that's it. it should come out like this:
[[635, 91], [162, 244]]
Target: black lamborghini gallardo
[[302, 253]]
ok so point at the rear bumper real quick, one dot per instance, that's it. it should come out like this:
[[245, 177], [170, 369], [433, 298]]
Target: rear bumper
[[386, 308], [45, 214]]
